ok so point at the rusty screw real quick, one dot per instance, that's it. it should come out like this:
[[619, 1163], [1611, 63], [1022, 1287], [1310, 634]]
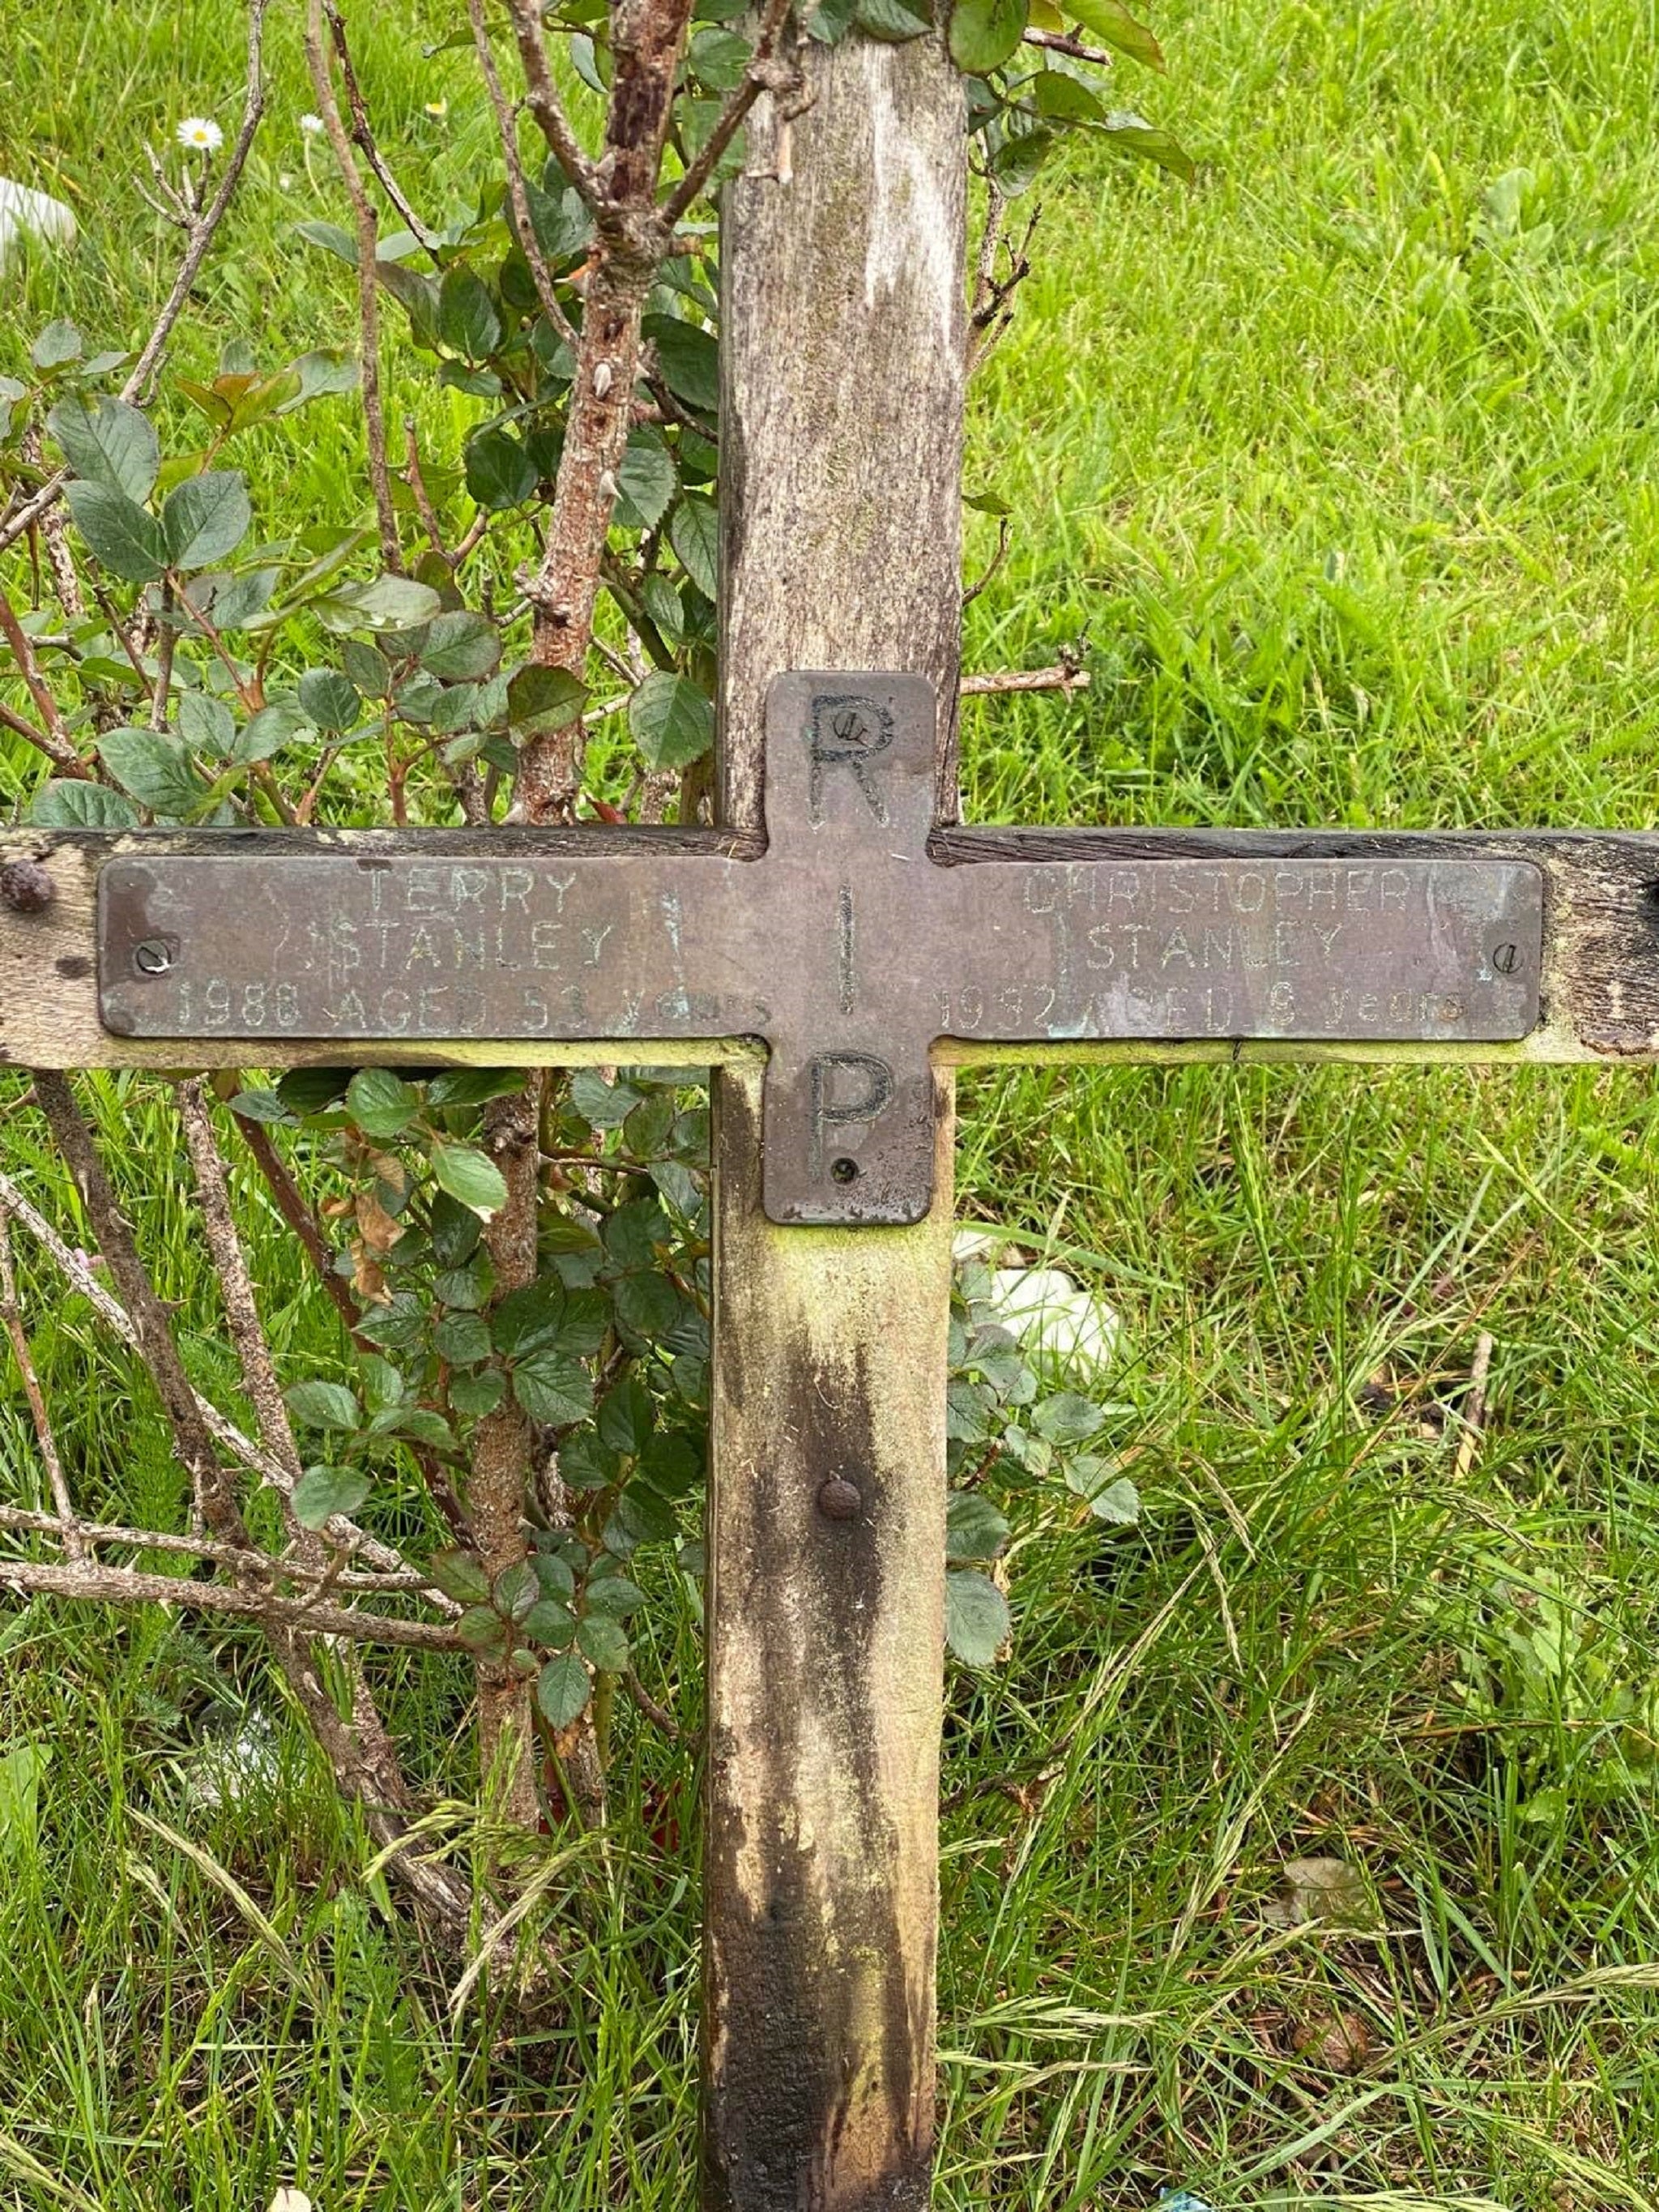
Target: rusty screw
[[1504, 957], [26, 887], [839, 1500], [152, 958]]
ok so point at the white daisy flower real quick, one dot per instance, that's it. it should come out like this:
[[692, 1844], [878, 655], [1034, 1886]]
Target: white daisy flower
[[312, 125], [201, 135], [437, 109]]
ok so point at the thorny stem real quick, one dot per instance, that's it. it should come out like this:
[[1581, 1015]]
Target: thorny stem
[[368, 312], [1064, 676], [363, 137], [507, 129], [542, 100], [55, 742], [415, 1584], [80, 1277], [12, 1315], [133, 1586], [764, 74]]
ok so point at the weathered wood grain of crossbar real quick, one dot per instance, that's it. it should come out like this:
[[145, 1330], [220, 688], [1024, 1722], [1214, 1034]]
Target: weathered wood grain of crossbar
[[1599, 987]]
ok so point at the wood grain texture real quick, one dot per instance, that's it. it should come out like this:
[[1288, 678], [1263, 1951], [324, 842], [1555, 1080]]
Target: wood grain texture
[[841, 457], [1600, 973]]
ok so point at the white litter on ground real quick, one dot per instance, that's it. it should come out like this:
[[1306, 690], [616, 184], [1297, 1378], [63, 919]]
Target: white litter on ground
[[229, 1764], [1054, 1317], [25, 213]]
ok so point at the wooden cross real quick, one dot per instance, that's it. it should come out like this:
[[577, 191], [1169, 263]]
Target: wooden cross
[[833, 950]]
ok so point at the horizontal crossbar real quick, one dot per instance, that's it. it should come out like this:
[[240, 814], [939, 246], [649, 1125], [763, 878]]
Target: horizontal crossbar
[[1600, 976]]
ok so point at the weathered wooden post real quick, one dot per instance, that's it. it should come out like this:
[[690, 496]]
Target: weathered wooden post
[[841, 346]]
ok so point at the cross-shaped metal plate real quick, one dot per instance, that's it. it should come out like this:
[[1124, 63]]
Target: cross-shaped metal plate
[[846, 948]]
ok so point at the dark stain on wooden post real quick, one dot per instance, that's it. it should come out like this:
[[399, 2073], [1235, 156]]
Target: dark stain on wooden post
[[841, 441]]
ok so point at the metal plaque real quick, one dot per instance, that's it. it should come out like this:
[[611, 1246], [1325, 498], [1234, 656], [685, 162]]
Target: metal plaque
[[845, 948]]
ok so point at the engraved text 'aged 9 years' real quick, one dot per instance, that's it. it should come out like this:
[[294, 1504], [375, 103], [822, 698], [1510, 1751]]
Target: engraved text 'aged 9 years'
[[845, 948]]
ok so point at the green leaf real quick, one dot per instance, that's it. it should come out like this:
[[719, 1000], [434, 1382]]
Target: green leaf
[[984, 33], [459, 1575], [105, 441], [468, 322], [603, 1104], [125, 536], [1112, 1498], [499, 473], [329, 701], [540, 699], [455, 1231], [322, 1491], [66, 802], [661, 601], [562, 1689], [206, 519], [976, 1617], [1066, 1419], [1017, 159], [554, 1573], [328, 370], [641, 1517], [206, 724], [604, 1640], [389, 603], [529, 1319], [719, 59], [516, 1590], [974, 1530], [627, 1417], [462, 1339], [671, 720], [1110, 21], [554, 1387], [894, 20], [323, 1405], [474, 1395], [235, 602], [1061, 98], [1131, 134], [674, 1462], [831, 21], [558, 215], [694, 533], [331, 238], [481, 1628], [381, 1104], [58, 343], [689, 359], [471, 1177], [633, 1232], [616, 1595], [313, 1090], [551, 1623], [259, 1106], [461, 648], [648, 1306], [383, 1386], [20, 1770], [471, 1086], [156, 767], [645, 482]]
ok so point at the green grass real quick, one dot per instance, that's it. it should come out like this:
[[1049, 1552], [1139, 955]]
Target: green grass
[[1345, 465]]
